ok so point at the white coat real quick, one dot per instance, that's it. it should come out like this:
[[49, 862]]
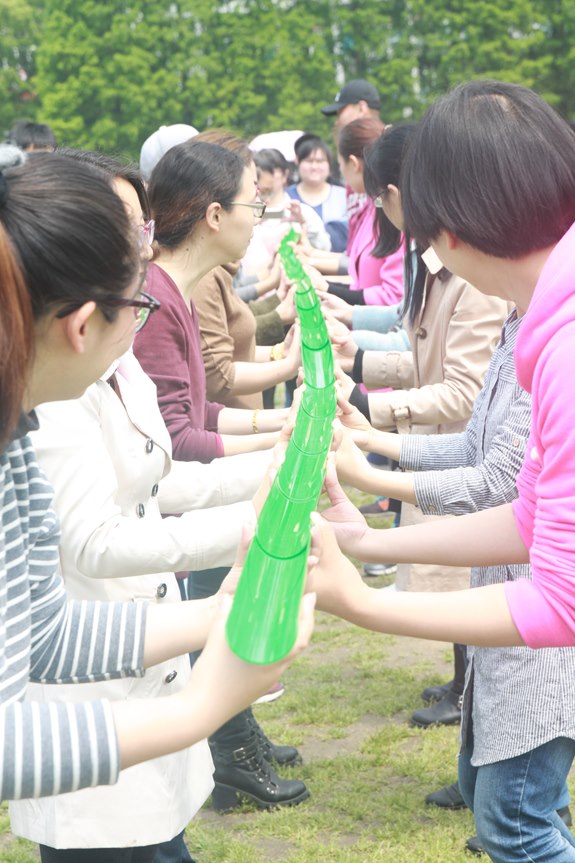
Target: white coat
[[109, 460]]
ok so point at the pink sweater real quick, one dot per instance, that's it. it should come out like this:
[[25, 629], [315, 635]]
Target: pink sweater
[[544, 610], [380, 279]]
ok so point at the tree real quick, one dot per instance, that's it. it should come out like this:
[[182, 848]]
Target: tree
[[20, 29]]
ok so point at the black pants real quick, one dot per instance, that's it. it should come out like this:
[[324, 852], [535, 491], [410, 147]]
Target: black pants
[[144, 854], [201, 584]]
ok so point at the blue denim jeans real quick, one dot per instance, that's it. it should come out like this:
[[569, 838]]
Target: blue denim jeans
[[515, 801]]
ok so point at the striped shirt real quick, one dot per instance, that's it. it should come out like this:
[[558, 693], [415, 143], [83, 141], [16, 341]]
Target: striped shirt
[[519, 698], [52, 748]]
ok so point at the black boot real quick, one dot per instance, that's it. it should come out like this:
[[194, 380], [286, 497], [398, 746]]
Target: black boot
[[448, 797], [436, 693], [284, 756], [444, 712], [244, 772]]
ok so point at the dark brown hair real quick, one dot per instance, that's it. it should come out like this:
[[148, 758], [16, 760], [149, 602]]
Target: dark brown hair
[[65, 238], [186, 180]]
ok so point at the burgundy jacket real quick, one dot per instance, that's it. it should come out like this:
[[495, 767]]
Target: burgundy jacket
[[169, 349]]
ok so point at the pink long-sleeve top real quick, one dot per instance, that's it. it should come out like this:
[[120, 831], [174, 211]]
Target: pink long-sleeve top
[[544, 610], [170, 352], [380, 279]]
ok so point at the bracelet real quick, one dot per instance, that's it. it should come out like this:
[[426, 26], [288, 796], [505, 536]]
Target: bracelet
[[255, 421], [277, 352]]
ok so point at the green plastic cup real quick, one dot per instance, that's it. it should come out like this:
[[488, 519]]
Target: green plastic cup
[[312, 434], [318, 368], [283, 525], [301, 474], [319, 402], [263, 622]]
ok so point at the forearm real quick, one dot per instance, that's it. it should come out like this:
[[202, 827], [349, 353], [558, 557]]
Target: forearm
[[479, 616], [395, 484], [257, 376], [486, 538], [236, 421], [243, 443], [384, 443], [177, 628]]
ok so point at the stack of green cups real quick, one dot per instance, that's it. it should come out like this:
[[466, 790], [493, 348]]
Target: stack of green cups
[[263, 622]]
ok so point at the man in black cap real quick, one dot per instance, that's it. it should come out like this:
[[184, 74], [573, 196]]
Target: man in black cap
[[356, 99]]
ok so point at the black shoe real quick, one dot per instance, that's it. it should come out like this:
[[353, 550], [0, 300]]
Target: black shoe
[[447, 798], [244, 772], [284, 756], [444, 712], [436, 693], [474, 845]]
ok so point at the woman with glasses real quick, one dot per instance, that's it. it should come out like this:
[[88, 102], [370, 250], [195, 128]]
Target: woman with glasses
[[237, 369], [70, 273], [204, 199], [116, 546], [314, 188]]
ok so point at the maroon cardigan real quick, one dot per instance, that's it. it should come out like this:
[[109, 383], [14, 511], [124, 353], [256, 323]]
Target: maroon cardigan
[[169, 349]]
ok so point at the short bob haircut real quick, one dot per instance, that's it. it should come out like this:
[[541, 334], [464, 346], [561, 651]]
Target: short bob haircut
[[270, 160], [308, 144], [186, 180], [493, 164]]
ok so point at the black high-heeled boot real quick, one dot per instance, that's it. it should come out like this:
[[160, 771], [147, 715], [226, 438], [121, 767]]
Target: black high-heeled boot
[[284, 756], [244, 772]]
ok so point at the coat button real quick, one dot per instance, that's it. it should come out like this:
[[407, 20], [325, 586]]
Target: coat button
[[162, 590], [149, 445], [516, 441], [169, 678], [155, 488], [421, 333], [140, 510]]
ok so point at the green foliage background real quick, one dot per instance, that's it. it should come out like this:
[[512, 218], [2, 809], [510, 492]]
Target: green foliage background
[[106, 74]]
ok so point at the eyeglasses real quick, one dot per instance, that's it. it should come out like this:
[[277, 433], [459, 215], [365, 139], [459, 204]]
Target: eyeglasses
[[143, 307], [258, 207], [146, 233]]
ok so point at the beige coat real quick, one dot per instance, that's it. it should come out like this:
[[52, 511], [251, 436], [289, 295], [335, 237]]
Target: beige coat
[[435, 387], [110, 464]]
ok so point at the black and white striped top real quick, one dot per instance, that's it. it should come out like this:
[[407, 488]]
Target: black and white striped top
[[521, 698], [52, 748]]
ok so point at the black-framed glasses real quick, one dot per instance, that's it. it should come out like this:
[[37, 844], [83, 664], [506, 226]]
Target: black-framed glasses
[[146, 233], [143, 307], [259, 207]]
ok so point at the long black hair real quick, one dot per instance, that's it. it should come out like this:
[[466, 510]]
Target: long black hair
[[383, 162]]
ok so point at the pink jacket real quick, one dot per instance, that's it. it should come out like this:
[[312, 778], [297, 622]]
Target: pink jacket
[[380, 279], [544, 610]]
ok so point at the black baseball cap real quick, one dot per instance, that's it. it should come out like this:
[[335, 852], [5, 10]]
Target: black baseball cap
[[352, 93]]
